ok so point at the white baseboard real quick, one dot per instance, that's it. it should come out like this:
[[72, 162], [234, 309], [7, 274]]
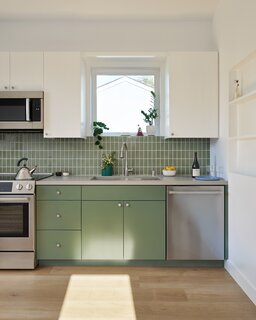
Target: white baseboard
[[241, 280]]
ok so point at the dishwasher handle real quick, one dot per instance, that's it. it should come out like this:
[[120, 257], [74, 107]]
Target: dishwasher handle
[[195, 192]]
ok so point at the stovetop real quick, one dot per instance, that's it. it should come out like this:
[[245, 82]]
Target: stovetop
[[8, 184], [36, 177]]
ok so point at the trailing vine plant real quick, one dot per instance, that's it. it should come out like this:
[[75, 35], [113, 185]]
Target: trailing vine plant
[[98, 128]]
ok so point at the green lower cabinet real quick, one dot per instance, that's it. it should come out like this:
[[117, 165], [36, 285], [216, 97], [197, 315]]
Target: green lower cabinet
[[55, 244], [102, 230], [59, 215], [130, 230], [144, 230]]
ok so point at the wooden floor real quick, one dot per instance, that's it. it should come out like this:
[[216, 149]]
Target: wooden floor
[[122, 293]]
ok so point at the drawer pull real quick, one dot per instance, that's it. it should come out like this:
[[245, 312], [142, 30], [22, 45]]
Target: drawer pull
[[119, 205], [127, 204], [58, 193], [58, 245], [58, 215]]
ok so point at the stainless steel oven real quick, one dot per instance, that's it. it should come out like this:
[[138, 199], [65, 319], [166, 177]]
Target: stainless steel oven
[[17, 225]]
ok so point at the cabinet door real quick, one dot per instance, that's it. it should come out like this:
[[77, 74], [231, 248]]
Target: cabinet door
[[102, 230], [56, 244], [59, 215], [144, 230], [4, 71], [63, 116], [193, 95], [57, 192], [26, 71]]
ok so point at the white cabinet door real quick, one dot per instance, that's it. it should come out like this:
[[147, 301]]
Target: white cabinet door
[[26, 71], [63, 109], [193, 95], [4, 71], [21, 71]]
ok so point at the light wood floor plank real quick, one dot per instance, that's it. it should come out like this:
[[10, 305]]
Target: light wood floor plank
[[139, 293]]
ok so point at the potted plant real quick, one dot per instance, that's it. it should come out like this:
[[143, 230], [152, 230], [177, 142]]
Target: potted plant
[[98, 128], [151, 115], [108, 161]]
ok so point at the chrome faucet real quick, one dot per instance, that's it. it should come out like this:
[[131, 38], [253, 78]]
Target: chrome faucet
[[124, 154]]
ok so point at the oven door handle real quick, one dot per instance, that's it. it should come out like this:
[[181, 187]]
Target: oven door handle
[[14, 200]]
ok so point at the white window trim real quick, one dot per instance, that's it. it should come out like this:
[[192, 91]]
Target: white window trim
[[132, 64]]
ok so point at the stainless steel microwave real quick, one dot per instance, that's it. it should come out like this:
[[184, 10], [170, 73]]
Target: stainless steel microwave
[[21, 110]]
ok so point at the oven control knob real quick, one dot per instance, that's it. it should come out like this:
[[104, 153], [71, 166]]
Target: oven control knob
[[19, 186], [29, 186]]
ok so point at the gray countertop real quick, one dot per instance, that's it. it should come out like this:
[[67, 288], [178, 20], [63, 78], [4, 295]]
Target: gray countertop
[[131, 180]]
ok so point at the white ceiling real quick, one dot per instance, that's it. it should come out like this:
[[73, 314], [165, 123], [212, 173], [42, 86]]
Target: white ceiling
[[107, 9]]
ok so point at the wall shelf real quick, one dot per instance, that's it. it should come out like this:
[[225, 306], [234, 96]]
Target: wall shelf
[[243, 99], [242, 115]]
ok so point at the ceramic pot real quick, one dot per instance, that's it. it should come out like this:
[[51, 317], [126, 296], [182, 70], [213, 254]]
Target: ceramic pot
[[151, 130], [107, 171]]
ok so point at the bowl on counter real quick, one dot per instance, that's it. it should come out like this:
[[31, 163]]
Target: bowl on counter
[[169, 173]]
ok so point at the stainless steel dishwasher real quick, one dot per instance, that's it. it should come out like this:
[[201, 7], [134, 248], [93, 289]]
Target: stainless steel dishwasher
[[195, 223]]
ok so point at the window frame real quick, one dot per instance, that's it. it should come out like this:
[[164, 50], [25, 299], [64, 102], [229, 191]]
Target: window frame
[[114, 64], [123, 71]]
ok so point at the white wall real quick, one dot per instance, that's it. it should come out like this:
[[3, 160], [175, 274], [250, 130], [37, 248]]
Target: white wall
[[106, 36], [235, 26]]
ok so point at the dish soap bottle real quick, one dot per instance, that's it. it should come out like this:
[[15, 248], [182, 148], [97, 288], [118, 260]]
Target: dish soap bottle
[[195, 167]]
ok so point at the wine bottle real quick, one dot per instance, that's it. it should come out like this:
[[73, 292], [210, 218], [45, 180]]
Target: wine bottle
[[195, 167]]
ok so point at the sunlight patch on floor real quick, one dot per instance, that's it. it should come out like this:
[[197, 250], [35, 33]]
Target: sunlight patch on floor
[[98, 297]]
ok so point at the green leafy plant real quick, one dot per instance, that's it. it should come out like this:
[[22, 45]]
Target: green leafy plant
[[108, 159], [98, 128], [151, 114]]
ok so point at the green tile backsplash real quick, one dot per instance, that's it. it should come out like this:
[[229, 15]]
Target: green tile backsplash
[[82, 157]]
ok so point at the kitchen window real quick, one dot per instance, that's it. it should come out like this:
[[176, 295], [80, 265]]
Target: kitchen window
[[120, 89]]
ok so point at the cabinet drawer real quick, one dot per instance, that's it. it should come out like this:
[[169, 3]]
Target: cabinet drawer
[[58, 245], [123, 193], [59, 215], [58, 193]]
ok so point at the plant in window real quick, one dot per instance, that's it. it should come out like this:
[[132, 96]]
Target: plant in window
[[151, 114], [108, 161], [98, 128]]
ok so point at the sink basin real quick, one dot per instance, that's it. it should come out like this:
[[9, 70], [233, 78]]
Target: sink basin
[[123, 178], [108, 178]]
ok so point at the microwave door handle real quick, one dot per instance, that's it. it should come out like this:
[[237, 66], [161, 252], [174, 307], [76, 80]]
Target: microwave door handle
[[28, 109]]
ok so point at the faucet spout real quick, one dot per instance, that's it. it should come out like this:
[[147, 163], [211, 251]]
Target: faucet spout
[[124, 154]]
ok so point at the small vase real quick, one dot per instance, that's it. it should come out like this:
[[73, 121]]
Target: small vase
[[151, 130], [107, 171]]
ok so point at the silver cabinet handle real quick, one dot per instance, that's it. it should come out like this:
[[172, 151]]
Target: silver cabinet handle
[[195, 192], [127, 204], [119, 204], [58, 193], [12, 87], [5, 87], [58, 215], [58, 245]]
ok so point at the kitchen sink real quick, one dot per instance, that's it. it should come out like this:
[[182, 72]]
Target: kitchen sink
[[123, 178], [108, 178]]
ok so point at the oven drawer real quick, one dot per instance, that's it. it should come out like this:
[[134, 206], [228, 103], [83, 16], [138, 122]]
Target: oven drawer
[[59, 215], [56, 245], [58, 193]]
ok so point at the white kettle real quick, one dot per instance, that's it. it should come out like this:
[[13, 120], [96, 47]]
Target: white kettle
[[24, 173]]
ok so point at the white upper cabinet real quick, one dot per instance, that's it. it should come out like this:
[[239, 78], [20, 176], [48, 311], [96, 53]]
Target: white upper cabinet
[[21, 71], [192, 100], [63, 95], [4, 71]]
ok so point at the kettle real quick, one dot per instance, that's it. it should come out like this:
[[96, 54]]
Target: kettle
[[24, 173]]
